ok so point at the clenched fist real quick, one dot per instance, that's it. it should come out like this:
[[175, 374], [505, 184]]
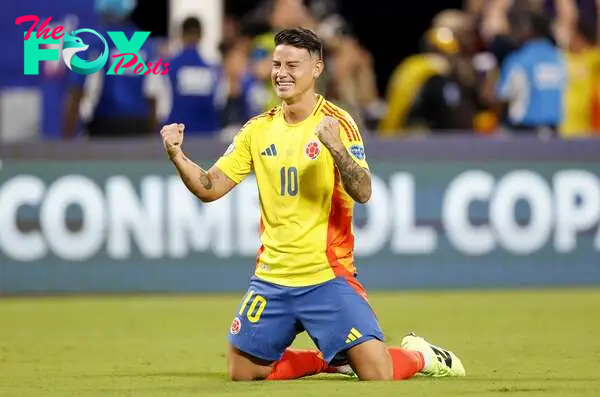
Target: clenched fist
[[328, 132], [172, 135]]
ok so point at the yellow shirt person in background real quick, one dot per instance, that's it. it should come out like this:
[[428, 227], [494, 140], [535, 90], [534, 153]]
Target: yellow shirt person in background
[[451, 34], [581, 94], [404, 86]]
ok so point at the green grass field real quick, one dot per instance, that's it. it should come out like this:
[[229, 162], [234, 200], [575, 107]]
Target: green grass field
[[522, 343]]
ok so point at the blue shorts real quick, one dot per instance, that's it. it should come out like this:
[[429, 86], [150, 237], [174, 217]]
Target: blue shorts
[[335, 314]]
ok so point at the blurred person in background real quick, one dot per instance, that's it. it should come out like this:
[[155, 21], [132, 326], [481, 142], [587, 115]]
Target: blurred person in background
[[350, 80], [353, 81], [54, 75], [122, 105], [448, 102], [494, 24], [427, 89], [581, 94], [242, 90], [495, 30], [532, 78], [568, 14], [195, 85]]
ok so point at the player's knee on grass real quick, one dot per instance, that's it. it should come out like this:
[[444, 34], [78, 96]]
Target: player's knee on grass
[[371, 361], [244, 368]]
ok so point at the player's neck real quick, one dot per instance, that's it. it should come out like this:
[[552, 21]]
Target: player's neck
[[298, 109]]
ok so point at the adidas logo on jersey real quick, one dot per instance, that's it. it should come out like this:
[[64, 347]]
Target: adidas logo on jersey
[[270, 151], [353, 335]]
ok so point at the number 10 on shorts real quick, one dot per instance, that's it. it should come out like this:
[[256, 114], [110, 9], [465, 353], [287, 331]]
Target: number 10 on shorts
[[256, 309]]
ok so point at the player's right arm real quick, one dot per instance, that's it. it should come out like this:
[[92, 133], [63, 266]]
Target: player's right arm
[[206, 185], [235, 165]]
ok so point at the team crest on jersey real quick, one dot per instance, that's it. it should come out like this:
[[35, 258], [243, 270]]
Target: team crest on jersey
[[236, 325], [358, 152], [312, 150]]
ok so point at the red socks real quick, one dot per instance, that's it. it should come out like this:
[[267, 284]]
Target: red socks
[[298, 363], [406, 362]]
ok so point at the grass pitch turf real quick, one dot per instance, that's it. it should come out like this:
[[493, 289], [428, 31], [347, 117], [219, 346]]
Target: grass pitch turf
[[519, 343]]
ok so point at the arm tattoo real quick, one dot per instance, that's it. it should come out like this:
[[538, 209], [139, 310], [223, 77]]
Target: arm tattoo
[[356, 180], [205, 177], [206, 180]]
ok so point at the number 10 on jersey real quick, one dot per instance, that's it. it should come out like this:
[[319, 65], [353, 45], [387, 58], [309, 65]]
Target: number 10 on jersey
[[289, 181]]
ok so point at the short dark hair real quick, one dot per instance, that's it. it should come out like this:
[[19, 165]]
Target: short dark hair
[[191, 25], [300, 38]]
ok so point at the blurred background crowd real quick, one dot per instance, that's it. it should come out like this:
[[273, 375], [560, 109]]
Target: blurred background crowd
[[482, 67]]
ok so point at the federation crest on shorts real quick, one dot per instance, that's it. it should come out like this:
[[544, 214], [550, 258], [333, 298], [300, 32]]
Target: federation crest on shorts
[[312, 149], [236, 325]]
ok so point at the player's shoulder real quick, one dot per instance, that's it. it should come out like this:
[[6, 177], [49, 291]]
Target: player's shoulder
[[261, 120], [331, 109], [345, 119]]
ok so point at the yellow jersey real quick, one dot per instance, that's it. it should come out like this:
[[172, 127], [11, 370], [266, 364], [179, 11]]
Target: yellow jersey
[[306, 215], [583, 78], [404, 87]]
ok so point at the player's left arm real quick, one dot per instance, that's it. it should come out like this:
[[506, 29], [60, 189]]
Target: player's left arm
[[347, 151]]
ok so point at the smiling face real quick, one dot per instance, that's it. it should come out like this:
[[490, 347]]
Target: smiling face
[[294, 71]]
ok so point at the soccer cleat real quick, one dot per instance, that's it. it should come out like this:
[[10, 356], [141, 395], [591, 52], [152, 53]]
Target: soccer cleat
[[346, 370], [438, 361], [341, 370]]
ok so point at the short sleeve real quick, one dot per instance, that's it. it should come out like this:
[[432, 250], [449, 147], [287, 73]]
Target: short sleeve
[[352, 140], [236, 162], [511, 78]]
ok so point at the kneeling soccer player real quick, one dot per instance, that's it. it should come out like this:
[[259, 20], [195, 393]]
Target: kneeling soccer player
[[310, 165]]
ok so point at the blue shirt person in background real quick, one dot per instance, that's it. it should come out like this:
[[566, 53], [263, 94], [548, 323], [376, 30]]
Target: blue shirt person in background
[[195, 85], [121, 105], [533, 77], [54, 75], [244, 92]]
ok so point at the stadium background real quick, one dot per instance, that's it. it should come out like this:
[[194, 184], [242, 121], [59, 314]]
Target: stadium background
[[451, 208]]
